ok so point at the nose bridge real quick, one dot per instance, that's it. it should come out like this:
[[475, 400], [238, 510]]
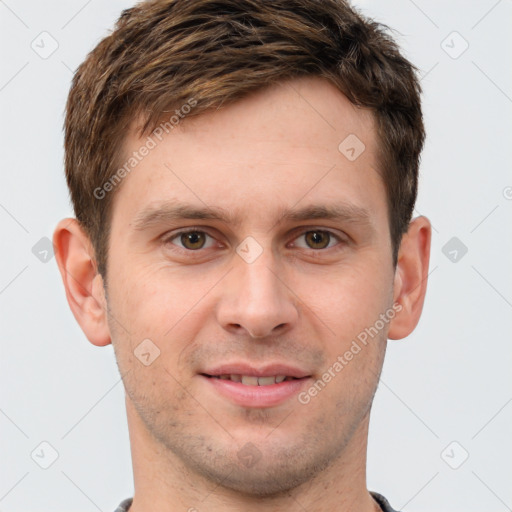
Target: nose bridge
[[260, 282], [256, 299]]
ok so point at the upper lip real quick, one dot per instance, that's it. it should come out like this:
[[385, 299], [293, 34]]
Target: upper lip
[[267, 370]]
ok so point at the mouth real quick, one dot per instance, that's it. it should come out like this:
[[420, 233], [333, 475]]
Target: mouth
[[252, 380], [252, 387]]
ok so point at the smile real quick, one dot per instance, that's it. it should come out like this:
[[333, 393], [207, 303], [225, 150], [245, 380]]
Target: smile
[[251, 391], [251, 380]]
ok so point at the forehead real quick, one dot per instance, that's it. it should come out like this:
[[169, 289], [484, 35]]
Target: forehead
[[296, 142]]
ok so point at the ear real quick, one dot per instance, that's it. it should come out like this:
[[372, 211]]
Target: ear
[[411, 275], [83, 284]]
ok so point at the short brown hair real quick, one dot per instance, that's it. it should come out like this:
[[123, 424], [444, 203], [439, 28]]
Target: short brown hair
[[164, 52]]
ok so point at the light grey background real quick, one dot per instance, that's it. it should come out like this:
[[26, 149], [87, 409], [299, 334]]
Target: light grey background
[[449, 381]]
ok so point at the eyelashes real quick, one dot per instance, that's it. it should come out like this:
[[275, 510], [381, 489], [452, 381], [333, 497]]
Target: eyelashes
[[195, 240]]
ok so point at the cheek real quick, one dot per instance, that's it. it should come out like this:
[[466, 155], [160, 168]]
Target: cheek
[[153, 300], [160, 305], [350, 301], [354, 355]]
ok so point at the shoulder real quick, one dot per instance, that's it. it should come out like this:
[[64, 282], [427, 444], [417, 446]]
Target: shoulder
[[383, 502], [124, 505]]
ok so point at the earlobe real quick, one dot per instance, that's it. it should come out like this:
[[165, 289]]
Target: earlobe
[[411, 275], [83, 285]]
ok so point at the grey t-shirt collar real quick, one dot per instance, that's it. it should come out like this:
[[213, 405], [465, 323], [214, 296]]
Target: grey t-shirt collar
[[383, 503]]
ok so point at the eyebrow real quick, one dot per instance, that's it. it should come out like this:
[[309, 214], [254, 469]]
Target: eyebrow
[[170, 211]]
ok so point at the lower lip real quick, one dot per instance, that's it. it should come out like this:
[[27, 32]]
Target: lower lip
[[257, 396]]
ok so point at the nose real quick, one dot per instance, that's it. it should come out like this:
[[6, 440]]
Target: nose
[[256, 300]]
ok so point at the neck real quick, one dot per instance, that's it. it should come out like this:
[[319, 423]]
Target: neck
[[164, 483]]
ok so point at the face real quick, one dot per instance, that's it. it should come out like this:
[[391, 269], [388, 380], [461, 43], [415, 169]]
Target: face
[[246, 247]]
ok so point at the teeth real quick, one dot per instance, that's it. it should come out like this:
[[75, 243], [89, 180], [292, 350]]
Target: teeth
[[265, 381], [251, 380]]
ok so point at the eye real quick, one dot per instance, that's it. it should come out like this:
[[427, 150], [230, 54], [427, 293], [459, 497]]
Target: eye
[[196, 239], [317, 239], [192, 240]]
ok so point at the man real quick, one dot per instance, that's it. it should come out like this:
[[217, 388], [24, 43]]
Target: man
[[243, 175]]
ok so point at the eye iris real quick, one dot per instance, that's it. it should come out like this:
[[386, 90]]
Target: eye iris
[[193, 239], [317, 238]]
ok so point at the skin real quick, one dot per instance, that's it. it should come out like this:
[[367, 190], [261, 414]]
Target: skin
[[296, 303]]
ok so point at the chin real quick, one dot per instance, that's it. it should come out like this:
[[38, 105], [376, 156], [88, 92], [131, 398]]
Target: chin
[[275, 473], [263, 483]]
